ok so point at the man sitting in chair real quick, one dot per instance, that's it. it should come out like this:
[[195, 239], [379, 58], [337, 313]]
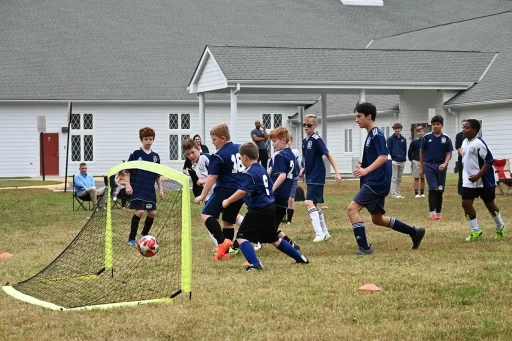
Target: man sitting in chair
[[84, 185]]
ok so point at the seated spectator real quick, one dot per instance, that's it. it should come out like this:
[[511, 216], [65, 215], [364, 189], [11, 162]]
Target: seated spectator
[[84, 184], [121, 181]]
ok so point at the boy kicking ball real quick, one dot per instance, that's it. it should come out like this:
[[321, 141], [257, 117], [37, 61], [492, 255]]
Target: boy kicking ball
[[375, 175], [259, 223], [478, 180]]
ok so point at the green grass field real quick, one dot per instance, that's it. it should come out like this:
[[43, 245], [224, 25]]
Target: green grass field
[[446, 290], [25, 182]]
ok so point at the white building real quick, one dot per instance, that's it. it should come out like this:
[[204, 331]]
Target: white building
[[125, 67]]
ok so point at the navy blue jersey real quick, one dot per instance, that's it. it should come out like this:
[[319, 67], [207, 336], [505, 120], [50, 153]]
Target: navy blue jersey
[[143, 182], [379, 181], [436, 147], [226, 163], [397, 148], [283, 163], [313, 149], [255, 182]]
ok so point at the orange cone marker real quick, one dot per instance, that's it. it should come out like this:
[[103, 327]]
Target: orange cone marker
[[5, 255], [370, 287]]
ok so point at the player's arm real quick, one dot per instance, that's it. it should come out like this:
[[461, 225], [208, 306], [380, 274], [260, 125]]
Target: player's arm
[[160, 187], [410, 153], [279, 181], [239, 194], [359, 172], [208, 184], [448, 155], [337, 175], [486, 155]]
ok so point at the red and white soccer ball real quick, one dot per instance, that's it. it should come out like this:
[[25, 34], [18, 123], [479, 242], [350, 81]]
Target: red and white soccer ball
[[148, 246]]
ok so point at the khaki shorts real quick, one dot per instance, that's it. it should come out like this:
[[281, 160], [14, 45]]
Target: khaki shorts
[[416, 169]]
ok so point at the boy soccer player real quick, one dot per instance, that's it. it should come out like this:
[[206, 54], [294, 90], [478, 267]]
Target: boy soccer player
[[414, 157], [313, 148], [141, 185], [282, 174], [223, 171], [478, 180], [375, 174], [397, 145], [259, 223], [435, 153]]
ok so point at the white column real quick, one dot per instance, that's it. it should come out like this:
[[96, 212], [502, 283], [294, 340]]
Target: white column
[[362, 132], [202, 116], [324, 131], [234, 113]]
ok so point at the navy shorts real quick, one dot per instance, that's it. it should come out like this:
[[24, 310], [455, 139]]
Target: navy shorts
[[436, 179], [141, 205], [486, 193], [315, 193], [214, 206], [373, 202], [259, 225], [294, 188]]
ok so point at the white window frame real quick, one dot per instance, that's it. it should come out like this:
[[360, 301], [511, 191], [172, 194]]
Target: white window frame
[[179, 132], [82, 132], [386, 130], [349, 148], [270, 148]]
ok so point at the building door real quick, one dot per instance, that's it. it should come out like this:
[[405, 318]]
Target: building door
[[426, 128], [51, 154], [271, 121]]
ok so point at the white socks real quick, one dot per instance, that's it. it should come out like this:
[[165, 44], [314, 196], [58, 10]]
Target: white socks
[[497, 219], [315, 221], [473, 224], [239, 220], [322, 224]]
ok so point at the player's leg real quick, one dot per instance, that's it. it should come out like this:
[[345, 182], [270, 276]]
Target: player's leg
[[353, 210], [416, 233], [441, 182], [431, 177], [280, 213], [249, 231], [400, 173], [291, 209], [416, 176], [394, 177], [313, 212], [422, 187], [138, 207], [150, 217], [488, 196], [229, 217], [468, 197], [209, 216]]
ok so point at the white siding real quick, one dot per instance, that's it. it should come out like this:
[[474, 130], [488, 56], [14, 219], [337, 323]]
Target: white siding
[[116, 127], [211, 77]]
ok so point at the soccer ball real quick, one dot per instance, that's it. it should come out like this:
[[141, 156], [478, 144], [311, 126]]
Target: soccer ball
[[148, 246]]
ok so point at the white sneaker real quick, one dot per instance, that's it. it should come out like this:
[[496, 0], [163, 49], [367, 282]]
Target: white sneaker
[[417, 196], [114, 198], [257, 246], [318, 239], [422, 196]]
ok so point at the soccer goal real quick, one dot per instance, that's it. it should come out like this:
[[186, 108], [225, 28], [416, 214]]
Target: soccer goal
[[98, 269]]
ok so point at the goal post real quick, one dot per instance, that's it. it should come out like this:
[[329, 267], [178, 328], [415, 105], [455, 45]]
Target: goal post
[[98, 270]]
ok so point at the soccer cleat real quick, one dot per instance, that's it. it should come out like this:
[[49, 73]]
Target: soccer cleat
[[435, 217], [254, 268], [417, 196], [319, 239], [223, 248], [226, 256], [422, 195], [416, 239], [303, 260], [132, 243], [233, 252], [499, 233], [361, 251], [288, 223], [114, 198], [257, 246], [474, 235], [295, 245]]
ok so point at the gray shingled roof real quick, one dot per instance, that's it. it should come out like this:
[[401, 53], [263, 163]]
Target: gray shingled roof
[[339, 105], [315, 65], [490, 33], [146, 50]]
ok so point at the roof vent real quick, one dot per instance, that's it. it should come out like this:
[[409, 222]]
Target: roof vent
[[362, 2]]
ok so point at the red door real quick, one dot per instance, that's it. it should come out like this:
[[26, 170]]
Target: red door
[[51, 154]]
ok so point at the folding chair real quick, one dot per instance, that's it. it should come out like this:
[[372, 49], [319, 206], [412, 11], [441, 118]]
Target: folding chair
[[80, 200], [502, 174], [122, 197]]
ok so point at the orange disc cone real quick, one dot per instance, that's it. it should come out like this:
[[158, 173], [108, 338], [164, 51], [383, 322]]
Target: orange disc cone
[[370, 287], [5, 255]]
